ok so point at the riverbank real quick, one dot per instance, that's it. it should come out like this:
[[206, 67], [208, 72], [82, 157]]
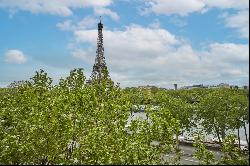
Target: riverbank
[[187, 139]]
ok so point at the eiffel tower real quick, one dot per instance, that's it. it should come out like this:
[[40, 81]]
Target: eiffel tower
[[99, 68]]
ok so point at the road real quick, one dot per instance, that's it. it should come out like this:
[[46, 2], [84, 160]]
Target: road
[[187, 158]]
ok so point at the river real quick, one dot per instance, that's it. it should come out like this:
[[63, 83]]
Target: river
[[188, 135]]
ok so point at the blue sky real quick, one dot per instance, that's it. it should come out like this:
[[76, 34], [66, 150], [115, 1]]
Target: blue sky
[[147, 42]]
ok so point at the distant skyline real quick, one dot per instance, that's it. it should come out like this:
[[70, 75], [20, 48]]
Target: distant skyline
[[146, 42]]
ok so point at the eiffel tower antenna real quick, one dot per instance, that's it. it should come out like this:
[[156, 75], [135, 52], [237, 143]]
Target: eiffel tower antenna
[[100, 65]]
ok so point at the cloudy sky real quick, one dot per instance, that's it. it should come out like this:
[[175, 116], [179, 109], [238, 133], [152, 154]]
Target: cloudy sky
[[147, 42]]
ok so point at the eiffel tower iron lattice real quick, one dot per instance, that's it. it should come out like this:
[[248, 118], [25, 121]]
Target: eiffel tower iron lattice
[[99, 68]]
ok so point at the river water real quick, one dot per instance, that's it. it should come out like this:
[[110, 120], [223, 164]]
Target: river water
[[188, 135]]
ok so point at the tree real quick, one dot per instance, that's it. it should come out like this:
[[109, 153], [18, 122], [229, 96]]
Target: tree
[[232, 154], [218, 112], [180, 109], [76, 123], [205, 156]]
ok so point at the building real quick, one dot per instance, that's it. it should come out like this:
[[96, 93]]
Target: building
[[146, 87], [194, 86], [175, 86], [223, 85], [245, 87]]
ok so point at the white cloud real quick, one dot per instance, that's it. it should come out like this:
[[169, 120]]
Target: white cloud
[[15, 56], [179, 22], [229, 52], [108, 12], [155, 25], [141, 55], [82, 54], [180, 7], [85, 23], [56, 7], [228, 4], [134, 37], [240, 21], [185, 7], [66, 25]]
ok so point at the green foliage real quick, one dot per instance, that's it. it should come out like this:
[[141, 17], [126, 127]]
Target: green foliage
[[205, 156], [232, 154], [76, 123], [179, 108], [222, 110]]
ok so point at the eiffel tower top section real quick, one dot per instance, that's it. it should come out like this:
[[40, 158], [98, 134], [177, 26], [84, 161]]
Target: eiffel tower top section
[[99, 67], [100, 25]]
